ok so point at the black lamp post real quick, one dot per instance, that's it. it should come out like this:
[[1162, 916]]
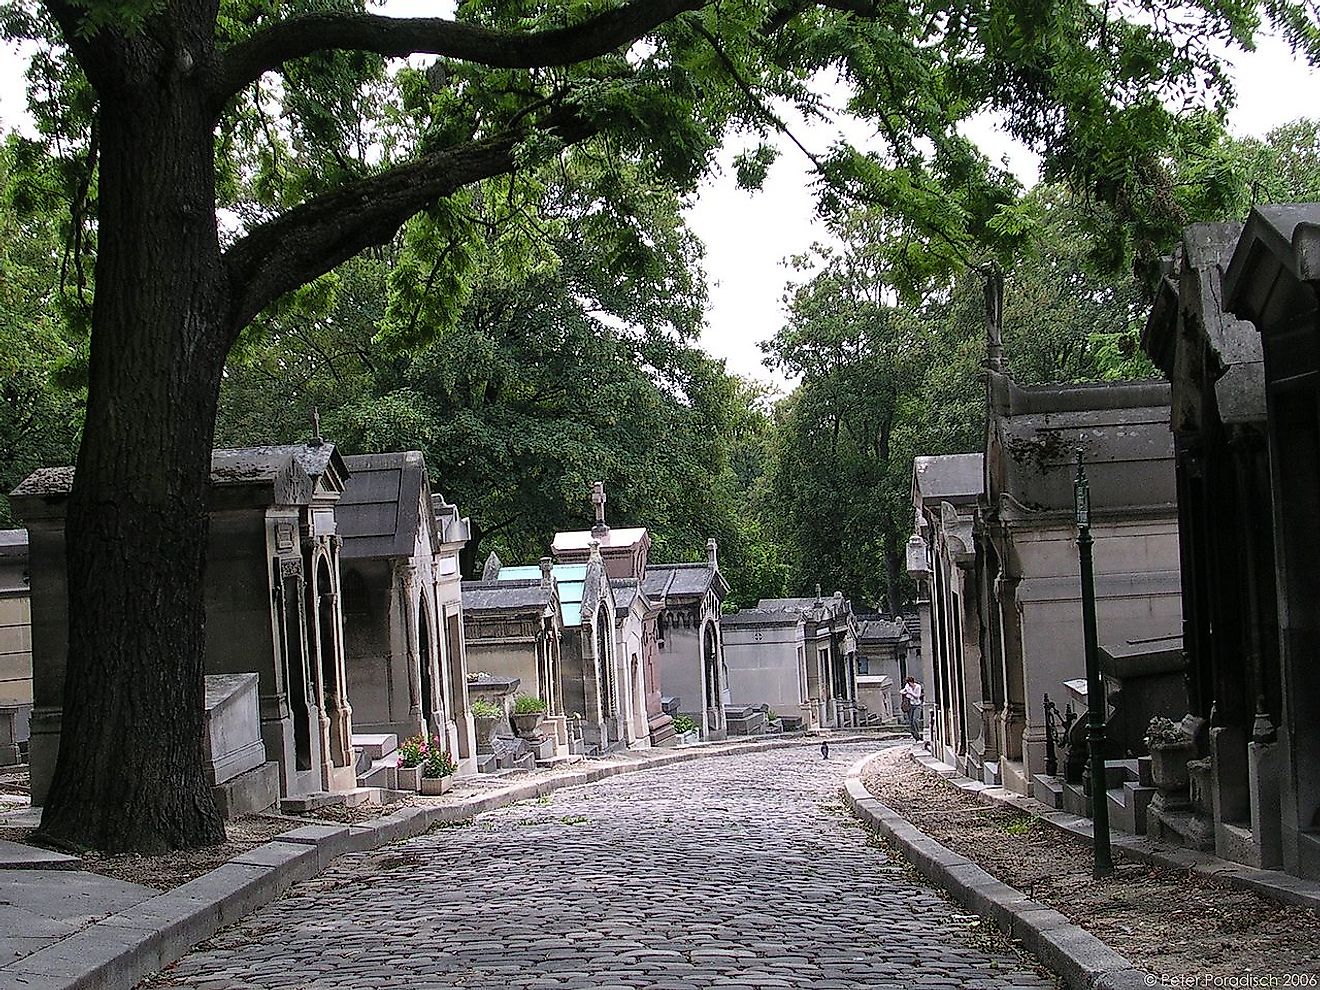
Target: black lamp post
[[1095, 698]]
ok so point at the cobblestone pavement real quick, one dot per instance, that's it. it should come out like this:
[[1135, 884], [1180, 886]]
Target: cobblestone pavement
[[721, 873]]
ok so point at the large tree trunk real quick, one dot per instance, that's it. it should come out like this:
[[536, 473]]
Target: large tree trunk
[[130, 768]]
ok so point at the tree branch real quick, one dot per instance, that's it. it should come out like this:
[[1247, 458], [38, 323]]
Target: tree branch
[[312, 238], [399, 37]]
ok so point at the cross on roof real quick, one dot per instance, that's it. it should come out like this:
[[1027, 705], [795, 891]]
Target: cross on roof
[[598, 500]]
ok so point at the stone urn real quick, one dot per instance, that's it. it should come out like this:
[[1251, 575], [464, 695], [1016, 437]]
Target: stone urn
[[409, 778], [435, 786], [1168, 765], [485, 727], [528, 724]]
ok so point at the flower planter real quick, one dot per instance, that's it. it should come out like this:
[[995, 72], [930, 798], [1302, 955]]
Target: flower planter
[[435, 786], [527, 724], [689, 738], [1168, 765], [410, 778]]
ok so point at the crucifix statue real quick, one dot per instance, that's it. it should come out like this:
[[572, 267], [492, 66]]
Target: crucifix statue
[[598, 500]]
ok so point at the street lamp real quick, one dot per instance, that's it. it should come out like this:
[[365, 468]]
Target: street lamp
[[1095, 700]]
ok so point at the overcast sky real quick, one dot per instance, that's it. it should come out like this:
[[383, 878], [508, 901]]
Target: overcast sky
[[748, 235]]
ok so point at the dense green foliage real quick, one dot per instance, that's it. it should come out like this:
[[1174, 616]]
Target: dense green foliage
[[884, 378], [556, 372], [533, 333]]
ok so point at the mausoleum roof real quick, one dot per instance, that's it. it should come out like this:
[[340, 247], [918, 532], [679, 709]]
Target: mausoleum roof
[[381, 512], [1278, 240], [507, 596], [949, 477], [760, 617], [292, 470], [1122, 429], [880, 629], [571, 580], [13, 543], [243, 465], [613, 539], [1205, 351], [625, 591], [688, 580]]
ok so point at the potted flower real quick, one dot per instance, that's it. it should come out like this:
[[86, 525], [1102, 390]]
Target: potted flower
[[686, 729], [438, 769], [412, 752], [1170, 749], [528, 714]]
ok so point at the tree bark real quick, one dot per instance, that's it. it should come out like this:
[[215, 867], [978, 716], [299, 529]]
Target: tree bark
[[130, 769]]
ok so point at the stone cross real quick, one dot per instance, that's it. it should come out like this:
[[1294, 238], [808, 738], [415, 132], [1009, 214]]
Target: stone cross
[[598, 500]]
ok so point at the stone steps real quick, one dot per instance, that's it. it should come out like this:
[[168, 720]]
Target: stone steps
[[376, 745], [381, 773]]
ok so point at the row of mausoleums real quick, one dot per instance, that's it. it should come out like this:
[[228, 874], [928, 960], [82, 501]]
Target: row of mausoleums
[[338, 625], [1205, 491]]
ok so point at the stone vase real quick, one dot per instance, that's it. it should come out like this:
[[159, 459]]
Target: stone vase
[[410, 778], [1168, 766], [485, 726], [435, 786], [528, 724]]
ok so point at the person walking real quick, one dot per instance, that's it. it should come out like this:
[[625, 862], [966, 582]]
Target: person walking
[[910, 704]]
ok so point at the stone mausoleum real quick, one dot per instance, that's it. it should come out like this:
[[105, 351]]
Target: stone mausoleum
[[996, 561], [272, 610], [402, 604], [1236, 329], [796, 656], [15, 647]]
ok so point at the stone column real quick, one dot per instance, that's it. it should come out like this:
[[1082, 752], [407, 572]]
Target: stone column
[[1013, 719], [407, 584]]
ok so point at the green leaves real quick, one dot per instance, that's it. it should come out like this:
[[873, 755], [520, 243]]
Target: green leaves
[[752, 166]]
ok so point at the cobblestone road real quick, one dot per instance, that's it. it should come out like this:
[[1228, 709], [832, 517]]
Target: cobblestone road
[[729, 873]]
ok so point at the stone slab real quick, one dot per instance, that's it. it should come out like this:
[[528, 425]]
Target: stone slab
[[252, 791], [329, 841], [17, 856], [236, 889], [71, 896], [97, 958], [295, 860], [14, 947]]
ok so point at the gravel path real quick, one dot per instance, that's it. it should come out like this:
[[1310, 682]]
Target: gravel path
[[720, 873], [1179, 925]]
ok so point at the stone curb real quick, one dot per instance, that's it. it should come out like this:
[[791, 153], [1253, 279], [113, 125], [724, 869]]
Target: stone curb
[[1082, 960], [119, 951], [1274, 884]]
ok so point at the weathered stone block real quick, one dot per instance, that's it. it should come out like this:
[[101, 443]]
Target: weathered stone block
[[233, 726]]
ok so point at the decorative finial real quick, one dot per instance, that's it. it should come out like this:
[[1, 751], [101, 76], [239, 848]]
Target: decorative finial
[[994, 320], [316, 427]]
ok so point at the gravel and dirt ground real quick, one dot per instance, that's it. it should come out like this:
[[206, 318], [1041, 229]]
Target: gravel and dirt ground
[[1174, 923]]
